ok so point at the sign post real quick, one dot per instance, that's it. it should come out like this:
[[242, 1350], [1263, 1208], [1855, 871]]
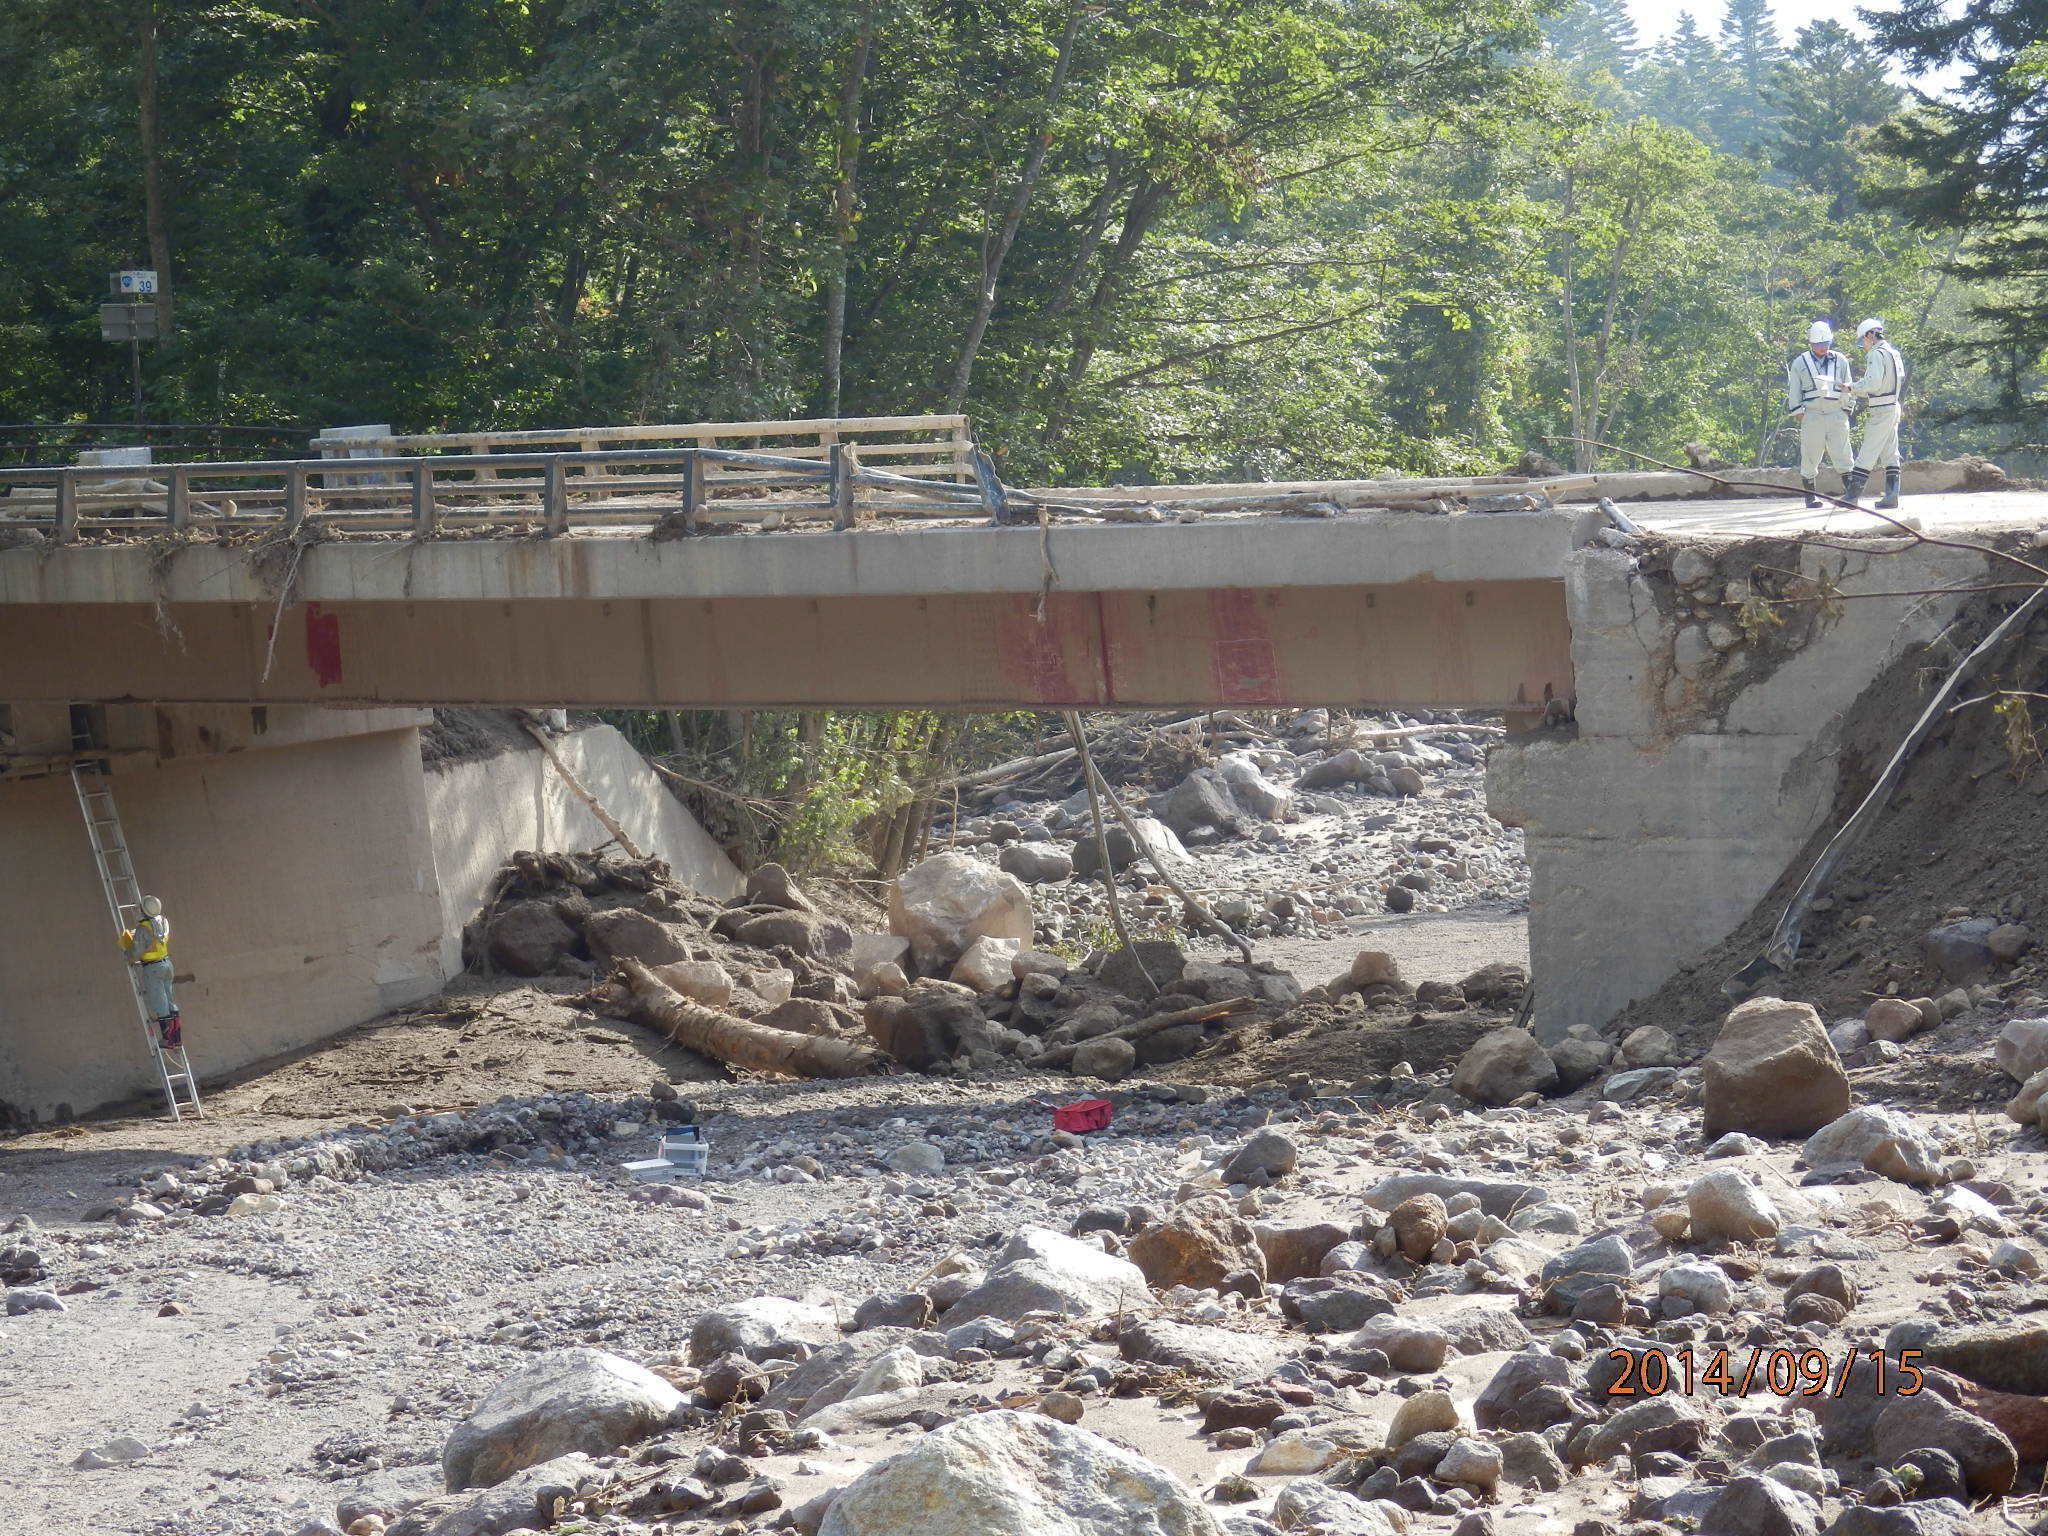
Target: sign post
[[133, 319]]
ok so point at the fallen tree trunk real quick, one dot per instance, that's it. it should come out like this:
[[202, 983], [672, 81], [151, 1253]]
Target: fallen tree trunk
[[647, 999], [1201, 1013]]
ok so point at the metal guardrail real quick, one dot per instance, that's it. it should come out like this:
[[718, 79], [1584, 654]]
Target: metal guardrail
[[660, 486]]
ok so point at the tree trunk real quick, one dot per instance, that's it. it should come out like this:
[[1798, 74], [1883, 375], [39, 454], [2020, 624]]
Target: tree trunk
[[646, 999], [995, 249], [844, 196], [1582, 453], [149, 135], [1201, 1013]]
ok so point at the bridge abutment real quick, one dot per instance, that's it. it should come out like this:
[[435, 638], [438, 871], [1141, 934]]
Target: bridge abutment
[[1706, 750], [316, 873]]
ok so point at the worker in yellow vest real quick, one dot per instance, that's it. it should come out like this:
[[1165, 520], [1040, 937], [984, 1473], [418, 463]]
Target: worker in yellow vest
[[148, 948]]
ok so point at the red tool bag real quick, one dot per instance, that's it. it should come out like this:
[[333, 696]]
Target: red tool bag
[[1081, 1116]]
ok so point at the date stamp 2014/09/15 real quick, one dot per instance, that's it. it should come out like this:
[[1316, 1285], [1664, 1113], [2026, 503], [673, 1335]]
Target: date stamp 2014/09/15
[[1781, 1372]]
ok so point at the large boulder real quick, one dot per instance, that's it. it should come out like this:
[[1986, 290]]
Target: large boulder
[[986, 966], [570, 1400], [2010, 1355], [1036, 863], [1250, 787], [1043, 1271], [1200, 802], [1155, 843], [822, 938], [943, 904], [1346, 767], [1138, 970], [761, 1328], [1502, 1066], [1725, 1205], [771, 886], [1107, 1057], [626, 933], [1925, 1421], [1773, 1072], [1960, 951], [2021, 1048], [529, 938], [1199, 1244], [1847, 1140], [995, 1473]]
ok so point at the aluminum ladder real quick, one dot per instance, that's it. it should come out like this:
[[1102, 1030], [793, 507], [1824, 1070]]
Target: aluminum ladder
[[124, 904]]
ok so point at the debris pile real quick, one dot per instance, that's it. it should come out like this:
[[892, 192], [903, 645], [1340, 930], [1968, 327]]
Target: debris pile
[[1308, 829]]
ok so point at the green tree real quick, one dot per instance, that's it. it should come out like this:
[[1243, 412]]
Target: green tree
[[1593, 35], [1828, 97], [1981, 157], [1686, 82], [1753, 50]]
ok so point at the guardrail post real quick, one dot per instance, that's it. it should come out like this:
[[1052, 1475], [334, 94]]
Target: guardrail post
[[67, 507], [693, 488], [294, 498], [423, 511], [554, 498], [178, 499]]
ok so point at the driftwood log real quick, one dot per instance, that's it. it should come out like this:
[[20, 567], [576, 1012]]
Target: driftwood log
[[646, 999], [1201, 1013]]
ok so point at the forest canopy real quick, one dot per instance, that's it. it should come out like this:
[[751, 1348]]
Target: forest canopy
[[1136, 239]]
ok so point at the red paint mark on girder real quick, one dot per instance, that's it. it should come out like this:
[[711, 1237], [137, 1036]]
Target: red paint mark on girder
[[1242, 660], [323, 645], [1032, 660]]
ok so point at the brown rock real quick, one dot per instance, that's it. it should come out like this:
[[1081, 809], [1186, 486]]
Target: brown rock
[[1295, 1252], [1812, 1308], [1419, 1223], [1241, 1410], [2022, 1420], [1891, 1018], [1372, 968], [1829, 1280], [1773, 1072], [1199, 1244]]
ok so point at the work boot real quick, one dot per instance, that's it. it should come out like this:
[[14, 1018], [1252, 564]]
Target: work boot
[[1811, 499], [1852, 484], [1890, 498], [170, 1031]]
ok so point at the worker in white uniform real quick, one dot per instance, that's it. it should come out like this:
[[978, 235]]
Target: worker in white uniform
[[1879, 391], [1817, 393]]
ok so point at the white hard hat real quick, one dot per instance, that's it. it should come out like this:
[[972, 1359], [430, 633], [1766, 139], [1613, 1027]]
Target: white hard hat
[[1820, 331], [1872, 324], [151, 907]]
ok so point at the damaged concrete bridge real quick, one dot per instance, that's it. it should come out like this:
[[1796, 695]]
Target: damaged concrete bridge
[[1674, 713]]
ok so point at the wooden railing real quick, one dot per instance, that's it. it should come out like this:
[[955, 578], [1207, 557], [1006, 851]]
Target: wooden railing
[[679, 489], [936, 446], [837, 470]]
